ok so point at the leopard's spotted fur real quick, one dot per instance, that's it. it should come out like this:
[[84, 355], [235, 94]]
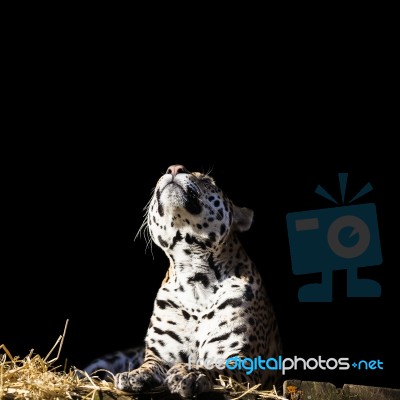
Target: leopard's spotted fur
[[212, 305]]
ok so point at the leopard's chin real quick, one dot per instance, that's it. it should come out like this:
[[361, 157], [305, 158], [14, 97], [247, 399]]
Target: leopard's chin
[[175, 198]]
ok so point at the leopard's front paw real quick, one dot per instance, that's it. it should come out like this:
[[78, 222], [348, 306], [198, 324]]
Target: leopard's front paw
[[185, 383], [135, 381]]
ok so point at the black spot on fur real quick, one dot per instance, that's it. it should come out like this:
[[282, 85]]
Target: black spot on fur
[[191, 239], [231, 302], [210, 315], [154, 351], [221, 337], [248, 294], [222, 229], [160, 207], [200, 277], [162, 241], [184, 357], [192, 203], [162, 304], [185, 314], [240, 329], [172, 334], [220, 214], [177, 238]]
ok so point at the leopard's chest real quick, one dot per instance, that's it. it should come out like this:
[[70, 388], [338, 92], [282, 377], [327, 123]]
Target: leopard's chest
[[193, 297], [197, 299]]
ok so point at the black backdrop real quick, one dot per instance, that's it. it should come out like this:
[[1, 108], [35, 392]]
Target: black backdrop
[[71, 252], [85, 145]]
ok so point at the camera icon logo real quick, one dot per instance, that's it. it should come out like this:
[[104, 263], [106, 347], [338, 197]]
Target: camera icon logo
[[343, 237]]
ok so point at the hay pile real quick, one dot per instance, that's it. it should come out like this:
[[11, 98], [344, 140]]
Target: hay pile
[[37, 378]]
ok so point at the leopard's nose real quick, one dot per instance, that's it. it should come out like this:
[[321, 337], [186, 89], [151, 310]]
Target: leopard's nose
[[176, 169]]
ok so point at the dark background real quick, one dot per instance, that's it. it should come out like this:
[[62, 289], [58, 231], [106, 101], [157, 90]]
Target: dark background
[[91, 129]]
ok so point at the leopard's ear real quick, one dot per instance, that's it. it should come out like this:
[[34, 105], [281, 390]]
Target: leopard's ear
[[242, 218]]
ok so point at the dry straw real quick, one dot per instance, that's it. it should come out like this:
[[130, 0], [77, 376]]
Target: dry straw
[[37, 378]]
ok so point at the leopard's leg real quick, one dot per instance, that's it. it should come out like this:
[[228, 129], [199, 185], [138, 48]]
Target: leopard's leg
[[188, 380], [150, 374]]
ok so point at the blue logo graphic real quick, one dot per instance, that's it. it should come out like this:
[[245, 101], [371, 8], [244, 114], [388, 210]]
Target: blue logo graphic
[[343, 237]]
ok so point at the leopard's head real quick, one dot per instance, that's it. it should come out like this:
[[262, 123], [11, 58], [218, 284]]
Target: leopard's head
[[189, 207]]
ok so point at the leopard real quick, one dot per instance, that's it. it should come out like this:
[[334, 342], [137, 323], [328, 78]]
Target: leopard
[[212, 315]]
